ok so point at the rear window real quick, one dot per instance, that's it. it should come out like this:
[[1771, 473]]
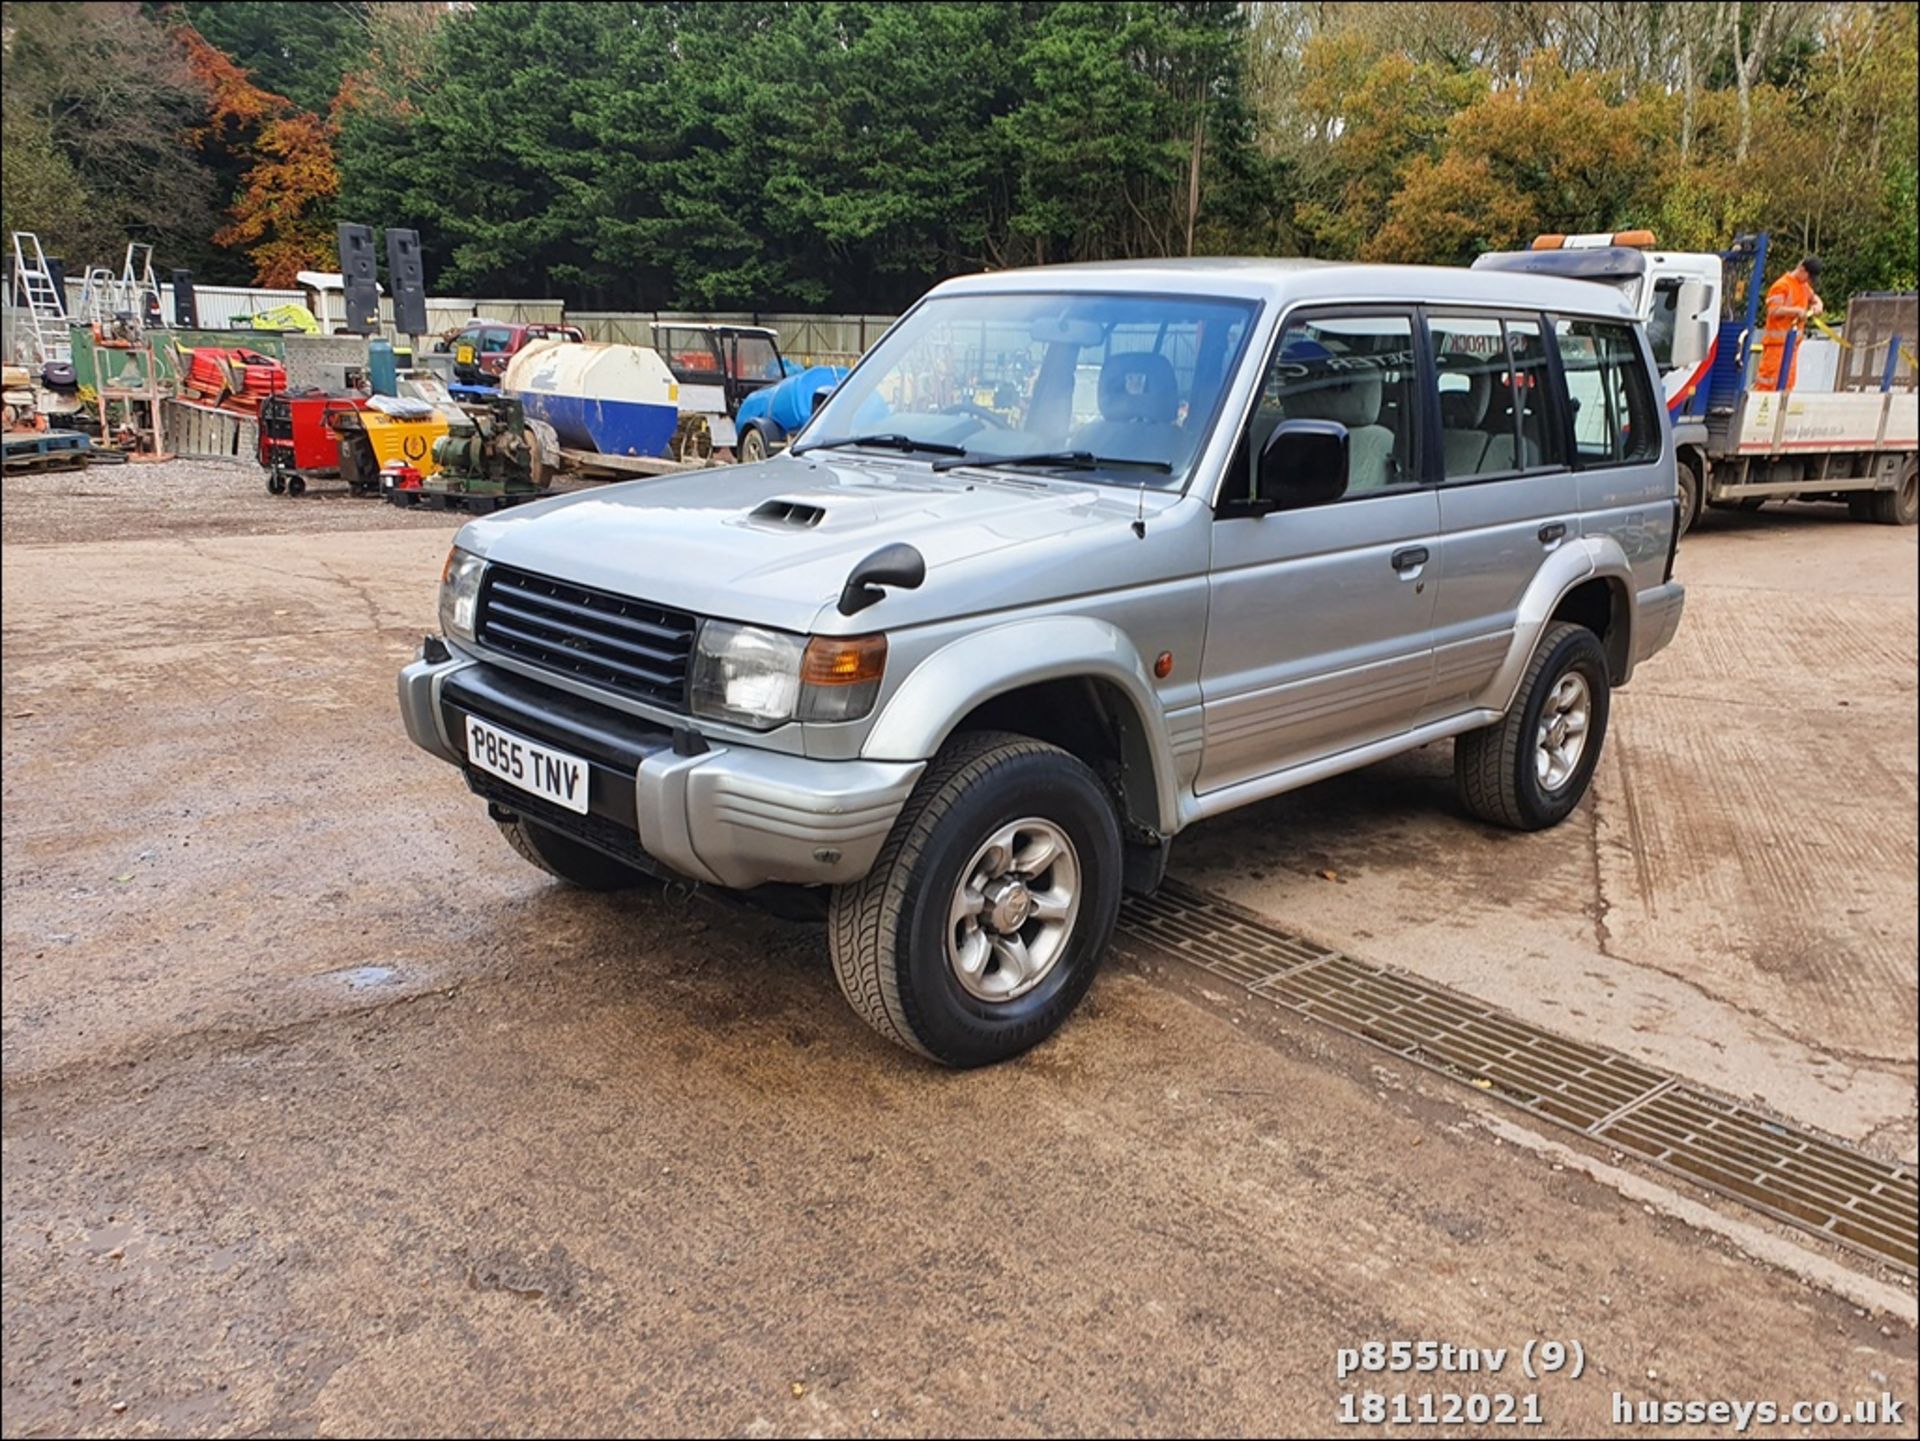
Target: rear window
[[1615, 421]]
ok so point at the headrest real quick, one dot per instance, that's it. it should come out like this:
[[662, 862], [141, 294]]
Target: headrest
[[1353, 400], [1465, 409], [1139, 385]]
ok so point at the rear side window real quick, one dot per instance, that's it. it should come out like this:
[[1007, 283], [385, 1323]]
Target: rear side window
[[1494, 414], [1614, 419]]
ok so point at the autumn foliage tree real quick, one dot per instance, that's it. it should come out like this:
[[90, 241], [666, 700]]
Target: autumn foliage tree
[[282, 214]]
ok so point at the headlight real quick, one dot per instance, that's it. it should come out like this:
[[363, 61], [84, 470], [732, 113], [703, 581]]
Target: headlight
[[762, 678], [460, 593]]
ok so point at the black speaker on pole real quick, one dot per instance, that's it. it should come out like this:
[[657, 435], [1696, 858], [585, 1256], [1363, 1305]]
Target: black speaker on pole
[[405, 279], [186, 305], [359, 273]]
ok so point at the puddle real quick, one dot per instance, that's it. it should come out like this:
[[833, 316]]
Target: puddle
[[363, 978]]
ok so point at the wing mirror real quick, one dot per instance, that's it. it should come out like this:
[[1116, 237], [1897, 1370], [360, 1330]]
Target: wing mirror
[[820, 398], [1304, 462]]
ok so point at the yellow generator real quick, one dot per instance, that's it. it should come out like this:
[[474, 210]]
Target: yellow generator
[[389, 431]]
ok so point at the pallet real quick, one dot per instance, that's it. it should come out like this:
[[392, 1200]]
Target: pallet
[[211, 432], [585, 462], [473, 502], [47, 450]]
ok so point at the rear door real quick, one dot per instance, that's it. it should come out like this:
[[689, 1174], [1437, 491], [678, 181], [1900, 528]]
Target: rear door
[[1317, 638], [1507, 495]]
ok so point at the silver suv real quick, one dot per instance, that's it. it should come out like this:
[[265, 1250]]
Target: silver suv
[[1076, 557]]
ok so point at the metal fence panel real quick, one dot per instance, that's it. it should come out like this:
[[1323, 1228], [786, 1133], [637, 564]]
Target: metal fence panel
[[808, 339]]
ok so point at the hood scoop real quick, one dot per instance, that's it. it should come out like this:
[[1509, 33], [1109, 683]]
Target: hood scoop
[[787, 514]]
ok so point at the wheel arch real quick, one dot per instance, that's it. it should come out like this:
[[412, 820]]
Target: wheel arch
[[1589, 582], [1079, 685]]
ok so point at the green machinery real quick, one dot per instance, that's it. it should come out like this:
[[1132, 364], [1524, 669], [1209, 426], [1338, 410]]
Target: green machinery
[[495, 457]]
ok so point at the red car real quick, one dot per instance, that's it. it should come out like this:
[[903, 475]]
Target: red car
[[483, 347]]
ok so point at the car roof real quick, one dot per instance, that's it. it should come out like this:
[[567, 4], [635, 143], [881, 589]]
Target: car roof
[[1291, 281]]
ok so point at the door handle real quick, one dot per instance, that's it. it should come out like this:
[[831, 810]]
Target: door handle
[[1411, 557], [1550, 533]]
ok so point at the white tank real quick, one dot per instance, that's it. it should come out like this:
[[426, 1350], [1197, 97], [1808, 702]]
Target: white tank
[[614, 399]]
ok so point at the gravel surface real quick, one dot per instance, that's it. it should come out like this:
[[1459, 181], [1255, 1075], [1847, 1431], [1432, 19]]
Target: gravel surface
[[188, 497], [326, 1114]]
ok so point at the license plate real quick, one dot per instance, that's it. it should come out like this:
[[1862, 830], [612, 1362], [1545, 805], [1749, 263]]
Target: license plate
[[550, 774]]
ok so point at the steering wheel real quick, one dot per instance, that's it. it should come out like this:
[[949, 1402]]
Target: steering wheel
[[978, 412]]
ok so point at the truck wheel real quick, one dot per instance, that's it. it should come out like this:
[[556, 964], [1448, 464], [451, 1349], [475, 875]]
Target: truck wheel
[[986, 915], [753, 446], [1688, 488], [1529, 770], [1901, 505], [565, 858]]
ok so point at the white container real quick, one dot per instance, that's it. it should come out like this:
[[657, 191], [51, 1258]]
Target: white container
[[613, 399]]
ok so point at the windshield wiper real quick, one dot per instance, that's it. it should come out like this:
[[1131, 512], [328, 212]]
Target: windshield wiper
[[891, 441], [1056, 460]]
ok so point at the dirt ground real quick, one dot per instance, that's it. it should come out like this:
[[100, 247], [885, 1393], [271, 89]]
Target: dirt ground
[[325, 1114]]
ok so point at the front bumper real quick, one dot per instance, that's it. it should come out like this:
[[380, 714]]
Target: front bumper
[[722, 814]]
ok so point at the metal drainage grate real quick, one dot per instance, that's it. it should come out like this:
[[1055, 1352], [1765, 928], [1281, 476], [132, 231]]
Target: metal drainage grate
[[1829, 1189]]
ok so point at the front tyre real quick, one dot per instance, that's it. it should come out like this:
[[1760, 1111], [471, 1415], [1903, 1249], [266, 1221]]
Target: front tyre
[[753, 446], [987, 913], [1529, 770]]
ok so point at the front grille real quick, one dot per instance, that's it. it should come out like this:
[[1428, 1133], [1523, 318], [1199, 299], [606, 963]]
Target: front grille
[[629, 646]]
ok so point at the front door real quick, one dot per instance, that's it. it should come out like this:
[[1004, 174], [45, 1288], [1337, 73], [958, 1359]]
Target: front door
[[1318, 635]]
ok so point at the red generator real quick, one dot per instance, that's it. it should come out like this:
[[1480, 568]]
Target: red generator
[[297, 441]]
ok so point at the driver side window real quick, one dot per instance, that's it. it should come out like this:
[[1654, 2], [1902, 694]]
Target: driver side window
[[1360, 371]]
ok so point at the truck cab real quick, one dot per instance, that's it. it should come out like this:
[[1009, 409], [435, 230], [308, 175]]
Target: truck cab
[[1677, 293], [732, 360]]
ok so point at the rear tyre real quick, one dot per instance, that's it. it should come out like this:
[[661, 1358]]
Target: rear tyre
[[987, 913], [1530, 769], [1901, 505], [566, 859], [753, 446], [1688, 491], [296, 486]]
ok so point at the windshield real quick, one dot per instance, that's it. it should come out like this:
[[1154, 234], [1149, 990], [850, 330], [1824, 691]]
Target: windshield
[[1123, 378]]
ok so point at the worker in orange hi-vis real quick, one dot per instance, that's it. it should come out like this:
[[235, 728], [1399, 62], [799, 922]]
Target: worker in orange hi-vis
[[1790, 303]]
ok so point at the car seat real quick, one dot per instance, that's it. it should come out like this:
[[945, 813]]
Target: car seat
[[1139, 400], [1463, 441]]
